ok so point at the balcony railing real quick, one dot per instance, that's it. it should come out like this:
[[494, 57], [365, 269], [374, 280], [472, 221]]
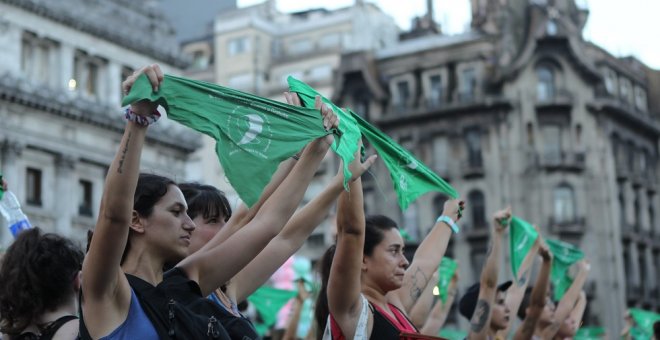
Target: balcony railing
[[472, 169], [572, 226], [563, 160]]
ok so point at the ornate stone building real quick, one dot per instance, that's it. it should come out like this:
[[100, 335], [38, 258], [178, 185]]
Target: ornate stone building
[[256, 48], [61, 67], [523, 111]]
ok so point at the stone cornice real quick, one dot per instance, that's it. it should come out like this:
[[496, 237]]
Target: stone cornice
[[60, 103], [123, 25]]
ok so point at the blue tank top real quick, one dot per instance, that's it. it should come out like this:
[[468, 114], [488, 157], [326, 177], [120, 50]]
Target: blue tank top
[[136, 326]]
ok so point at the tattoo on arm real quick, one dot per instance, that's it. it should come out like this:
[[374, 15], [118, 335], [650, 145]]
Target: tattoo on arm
[[480, 316], [419, 281], [522, 280], [123, 154]]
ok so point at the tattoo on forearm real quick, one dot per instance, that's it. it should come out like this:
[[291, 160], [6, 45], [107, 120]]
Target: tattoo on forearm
[[523, 279], [123, 154], [480, 316], [419, 281]]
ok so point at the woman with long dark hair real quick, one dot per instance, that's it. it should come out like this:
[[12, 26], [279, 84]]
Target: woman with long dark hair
[[40, 280], [148, 213], [371, 285]]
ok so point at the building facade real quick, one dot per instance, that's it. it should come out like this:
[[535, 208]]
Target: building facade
[[61, 68], [522, 111], [255, 48]]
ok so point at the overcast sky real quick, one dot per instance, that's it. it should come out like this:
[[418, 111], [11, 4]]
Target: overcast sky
[[629, 27]]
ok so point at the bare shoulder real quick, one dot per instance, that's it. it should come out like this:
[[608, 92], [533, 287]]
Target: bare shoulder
[[68, 331]]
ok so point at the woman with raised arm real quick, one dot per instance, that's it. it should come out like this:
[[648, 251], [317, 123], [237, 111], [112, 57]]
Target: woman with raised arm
[[207, 207], [368, 272], [143, 225]]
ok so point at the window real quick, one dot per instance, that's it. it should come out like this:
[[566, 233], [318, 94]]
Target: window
[[651, 211], [440, 155], [86, 74], [238, 46], [410, 222], [436, 95], [477, 204], [85, 198], [564, 204], [640, 98], [301, 46], [240, 81], [200, 60], [468, 85], [545, 88], [610, 81], [552, 147], [637, 209], [530, 134], [361, 104], [321, 72], [625, 90], [35, 58], [551, 27], [622, 206], [33, 187], [473, 141], [403, 94], [330, 40]]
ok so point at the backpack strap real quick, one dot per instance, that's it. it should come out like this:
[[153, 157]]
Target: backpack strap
[[152, 302]]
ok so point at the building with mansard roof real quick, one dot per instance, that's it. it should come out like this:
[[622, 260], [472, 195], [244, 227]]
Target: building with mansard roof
[[522, 110], [61, 67]]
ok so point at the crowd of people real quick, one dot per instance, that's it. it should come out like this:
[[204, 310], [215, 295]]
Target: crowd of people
[[171, 260]]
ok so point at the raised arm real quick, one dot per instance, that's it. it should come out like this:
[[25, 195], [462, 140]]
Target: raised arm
[[344, 284], [294, 234], [291, 332], [538, 298], [426, 260], [568, 301], [440, 311], [245, 244], [515, 294], [105, 287], [244, 214], [479, 324], [420, 311]]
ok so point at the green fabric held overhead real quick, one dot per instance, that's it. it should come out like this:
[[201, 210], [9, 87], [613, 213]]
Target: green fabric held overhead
[[565, 255], [452, 334], [446, 271], [253, 134], [347, 144], [521, 239], [644, 321], [268, 301], [590, 333], [410, 177]]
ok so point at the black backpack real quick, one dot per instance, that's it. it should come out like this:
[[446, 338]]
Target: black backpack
[[176, 308]]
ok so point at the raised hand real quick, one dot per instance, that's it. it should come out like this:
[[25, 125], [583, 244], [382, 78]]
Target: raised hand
[[544, 250], [454, 209], [502, 220], [155, 75]]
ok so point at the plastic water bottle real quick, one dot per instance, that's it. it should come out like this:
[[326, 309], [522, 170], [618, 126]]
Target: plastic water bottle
[[11, 211]]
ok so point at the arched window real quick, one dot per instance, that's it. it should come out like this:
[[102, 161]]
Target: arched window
[[545, 88], [564, 204], [477, 204]]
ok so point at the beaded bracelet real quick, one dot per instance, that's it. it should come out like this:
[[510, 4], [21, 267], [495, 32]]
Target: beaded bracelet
[[141, 120]]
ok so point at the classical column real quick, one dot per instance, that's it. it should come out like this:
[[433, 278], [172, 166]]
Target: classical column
[[66, 204], [65, 66]]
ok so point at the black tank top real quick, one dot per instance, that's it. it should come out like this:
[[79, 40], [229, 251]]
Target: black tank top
[[237, 327], [383, 329]]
